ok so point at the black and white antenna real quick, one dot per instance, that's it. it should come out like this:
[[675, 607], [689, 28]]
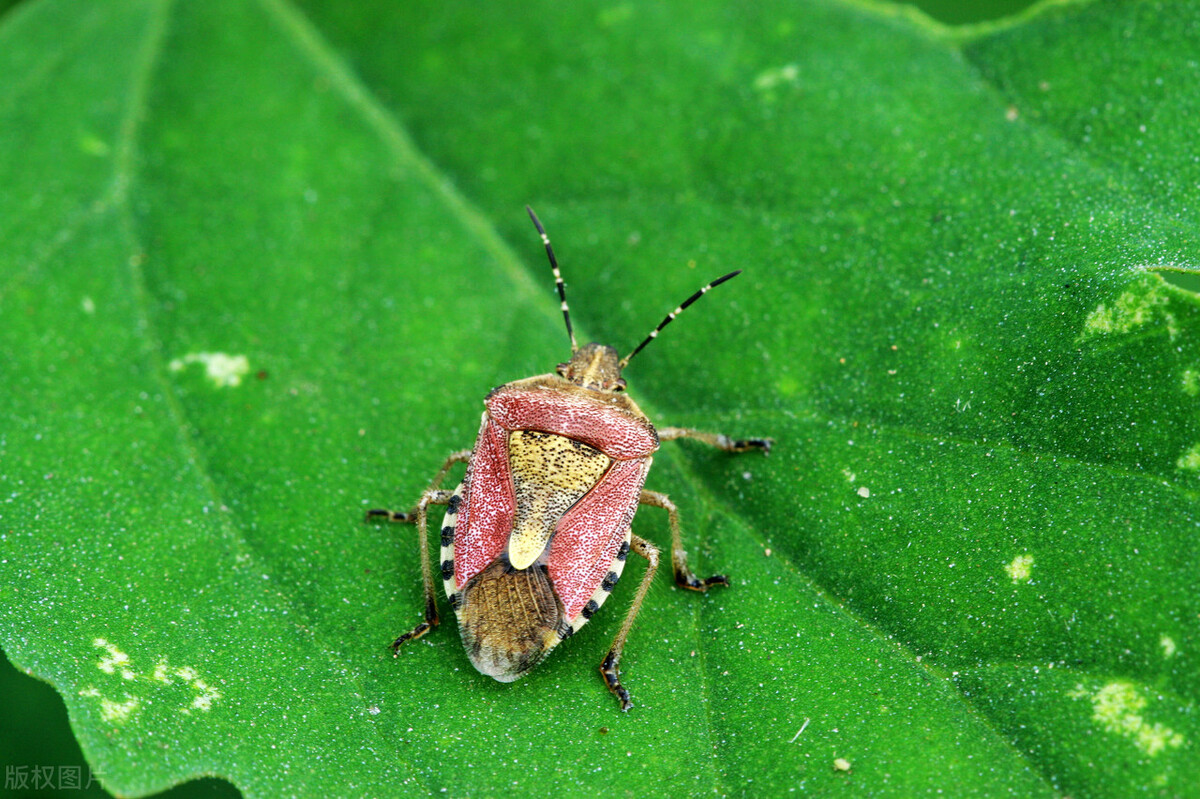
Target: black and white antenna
[[558, 281], [671, 316]]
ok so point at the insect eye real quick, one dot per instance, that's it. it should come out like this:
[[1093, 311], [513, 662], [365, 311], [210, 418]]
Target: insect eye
[[562, 369], [620, 386]]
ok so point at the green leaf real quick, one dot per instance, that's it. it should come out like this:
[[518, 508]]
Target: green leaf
[[263, 262]]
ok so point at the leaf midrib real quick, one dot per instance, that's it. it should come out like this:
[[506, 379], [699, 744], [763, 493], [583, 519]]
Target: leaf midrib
[[124, 176]]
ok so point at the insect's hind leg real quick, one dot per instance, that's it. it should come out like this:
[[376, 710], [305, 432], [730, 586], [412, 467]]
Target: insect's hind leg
[[608, 667], [683, 575], [418, 515]]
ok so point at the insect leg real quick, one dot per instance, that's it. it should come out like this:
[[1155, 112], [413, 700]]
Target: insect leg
[[410, 516], [608, 667], [430, 497], [683, 575], [717, 440], [418, 515]]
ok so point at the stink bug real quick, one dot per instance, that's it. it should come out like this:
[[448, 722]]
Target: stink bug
[[536, 535]]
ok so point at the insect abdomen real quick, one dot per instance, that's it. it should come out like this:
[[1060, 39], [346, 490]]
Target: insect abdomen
[[509, 619]]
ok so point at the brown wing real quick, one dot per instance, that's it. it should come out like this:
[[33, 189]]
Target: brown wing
[[509, 619]]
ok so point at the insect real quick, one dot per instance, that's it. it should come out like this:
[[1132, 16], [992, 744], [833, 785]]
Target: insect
[[536, 536]]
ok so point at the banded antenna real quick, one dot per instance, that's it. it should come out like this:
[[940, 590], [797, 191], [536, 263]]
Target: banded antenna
[[558, 281], [671, 316]]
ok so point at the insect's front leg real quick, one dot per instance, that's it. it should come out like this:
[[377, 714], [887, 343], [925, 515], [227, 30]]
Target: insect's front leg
[[721, 442], [683, 574], [433, 495], [410, 516]]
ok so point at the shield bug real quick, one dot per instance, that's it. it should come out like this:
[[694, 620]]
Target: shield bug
[[536, 536]]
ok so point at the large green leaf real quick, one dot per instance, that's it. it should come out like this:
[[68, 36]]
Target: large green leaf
[[263, 261]]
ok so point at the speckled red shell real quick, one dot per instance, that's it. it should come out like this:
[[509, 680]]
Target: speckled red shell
[[588, 537]]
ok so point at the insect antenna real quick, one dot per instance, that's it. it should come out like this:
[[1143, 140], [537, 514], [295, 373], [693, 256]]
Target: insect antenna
[[671, 316], [558, 281]]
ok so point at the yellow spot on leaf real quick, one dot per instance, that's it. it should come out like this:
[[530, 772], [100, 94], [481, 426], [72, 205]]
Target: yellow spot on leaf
[[1118, 708], [151, 687], [1020, 569], [118, 711], [93, 145], [1168, 646], [206, 697], [224, 370], [771, 78], [160, 673], [1143, 303], [787, 385], [1190, 460], [115, 659], [1191, 382]]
